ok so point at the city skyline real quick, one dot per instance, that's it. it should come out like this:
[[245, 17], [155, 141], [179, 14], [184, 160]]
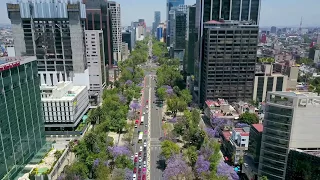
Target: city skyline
[[273, 13]]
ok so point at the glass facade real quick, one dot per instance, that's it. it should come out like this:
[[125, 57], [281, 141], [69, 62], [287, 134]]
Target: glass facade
[[192, 38], [22, 125], [275, 142]]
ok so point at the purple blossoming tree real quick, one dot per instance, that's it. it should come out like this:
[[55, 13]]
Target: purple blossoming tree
[[212, 133], [135, 106], [118, 151], [206, 151], [173, 120], [202, 165], [96, 163], [241, 125], [224, 170], [128, 174], [176, 167], [128, 83], [169, 92]]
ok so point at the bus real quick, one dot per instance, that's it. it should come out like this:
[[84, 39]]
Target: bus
[[140, 137], [142, 120]]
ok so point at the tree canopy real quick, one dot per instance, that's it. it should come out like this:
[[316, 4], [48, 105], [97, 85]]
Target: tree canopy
[[249, 118], [169, 148]]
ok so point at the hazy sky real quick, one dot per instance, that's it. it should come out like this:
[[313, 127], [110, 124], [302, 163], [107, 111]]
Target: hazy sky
[[273, 12]]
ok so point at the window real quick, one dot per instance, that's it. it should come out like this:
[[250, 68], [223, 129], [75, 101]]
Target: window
[[243, 139]]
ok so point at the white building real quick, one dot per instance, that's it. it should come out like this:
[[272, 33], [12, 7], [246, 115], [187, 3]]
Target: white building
[[115, 10], [96, 65], [63, 105], [125, 51]]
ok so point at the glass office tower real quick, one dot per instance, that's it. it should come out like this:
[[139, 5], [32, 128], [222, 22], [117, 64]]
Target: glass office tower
[[22, 127]]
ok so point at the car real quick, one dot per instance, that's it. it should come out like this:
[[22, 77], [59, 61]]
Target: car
[[139, 166], [132, 158], [136, 159], [145, 144], [141, 148], [245, 164], [135, 126], [135, 170], [144, 164], [144, 158], [144, 170], [140, 159], [146, 125], [144, 113], [134, 176], [147, 107], [140, 153], [144, 177], [139, 177], [136, 155]]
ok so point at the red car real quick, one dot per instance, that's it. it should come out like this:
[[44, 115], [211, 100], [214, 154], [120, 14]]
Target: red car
[[140, 153], [144, 177], [136, 159], [135, 170], [139, 177], [147, 102]]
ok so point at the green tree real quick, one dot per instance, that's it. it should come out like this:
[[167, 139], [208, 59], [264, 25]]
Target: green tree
[[123, 162], [266, 60], [102, 172], [263, 178], [168, 148], [192, 155], [173, 104], [305, 61], [90, 140], [186, 96], [78, 168], [161, 93], [249, 118]]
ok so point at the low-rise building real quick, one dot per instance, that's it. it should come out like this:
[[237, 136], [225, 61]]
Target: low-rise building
[[235, 143], [266, 80], [220, 109], [63, 105]]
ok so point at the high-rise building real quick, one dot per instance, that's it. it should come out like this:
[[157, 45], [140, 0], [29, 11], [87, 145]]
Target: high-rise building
[[191, 37], [98, 18], [229, 57], [273, 30], [125, 51], [22, 126], [157, 20], [290, 121], [170, 5], [63, 106], [54, 33], [96, 64], [115, 13], [127, 38]]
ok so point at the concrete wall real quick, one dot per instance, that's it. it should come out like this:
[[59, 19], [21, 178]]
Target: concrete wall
[[17, 33]]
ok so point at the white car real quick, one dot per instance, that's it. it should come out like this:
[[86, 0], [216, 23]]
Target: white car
[[141, 148], [136, 155], [135, 126], [147, 106], [145, 144], [140, 159], [144, 164], [132, 158], [134, 176], [144, 113]]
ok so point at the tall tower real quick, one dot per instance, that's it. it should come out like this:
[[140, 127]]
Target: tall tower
[[170, 5], [115, 12]]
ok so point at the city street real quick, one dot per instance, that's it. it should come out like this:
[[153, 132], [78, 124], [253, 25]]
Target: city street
[[151, 128]]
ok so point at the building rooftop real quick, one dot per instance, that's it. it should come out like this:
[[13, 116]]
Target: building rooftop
[[10, 62], [258, 127], [243, 131], [294, 94], [226, 135], [311, 152], [64, 91]]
